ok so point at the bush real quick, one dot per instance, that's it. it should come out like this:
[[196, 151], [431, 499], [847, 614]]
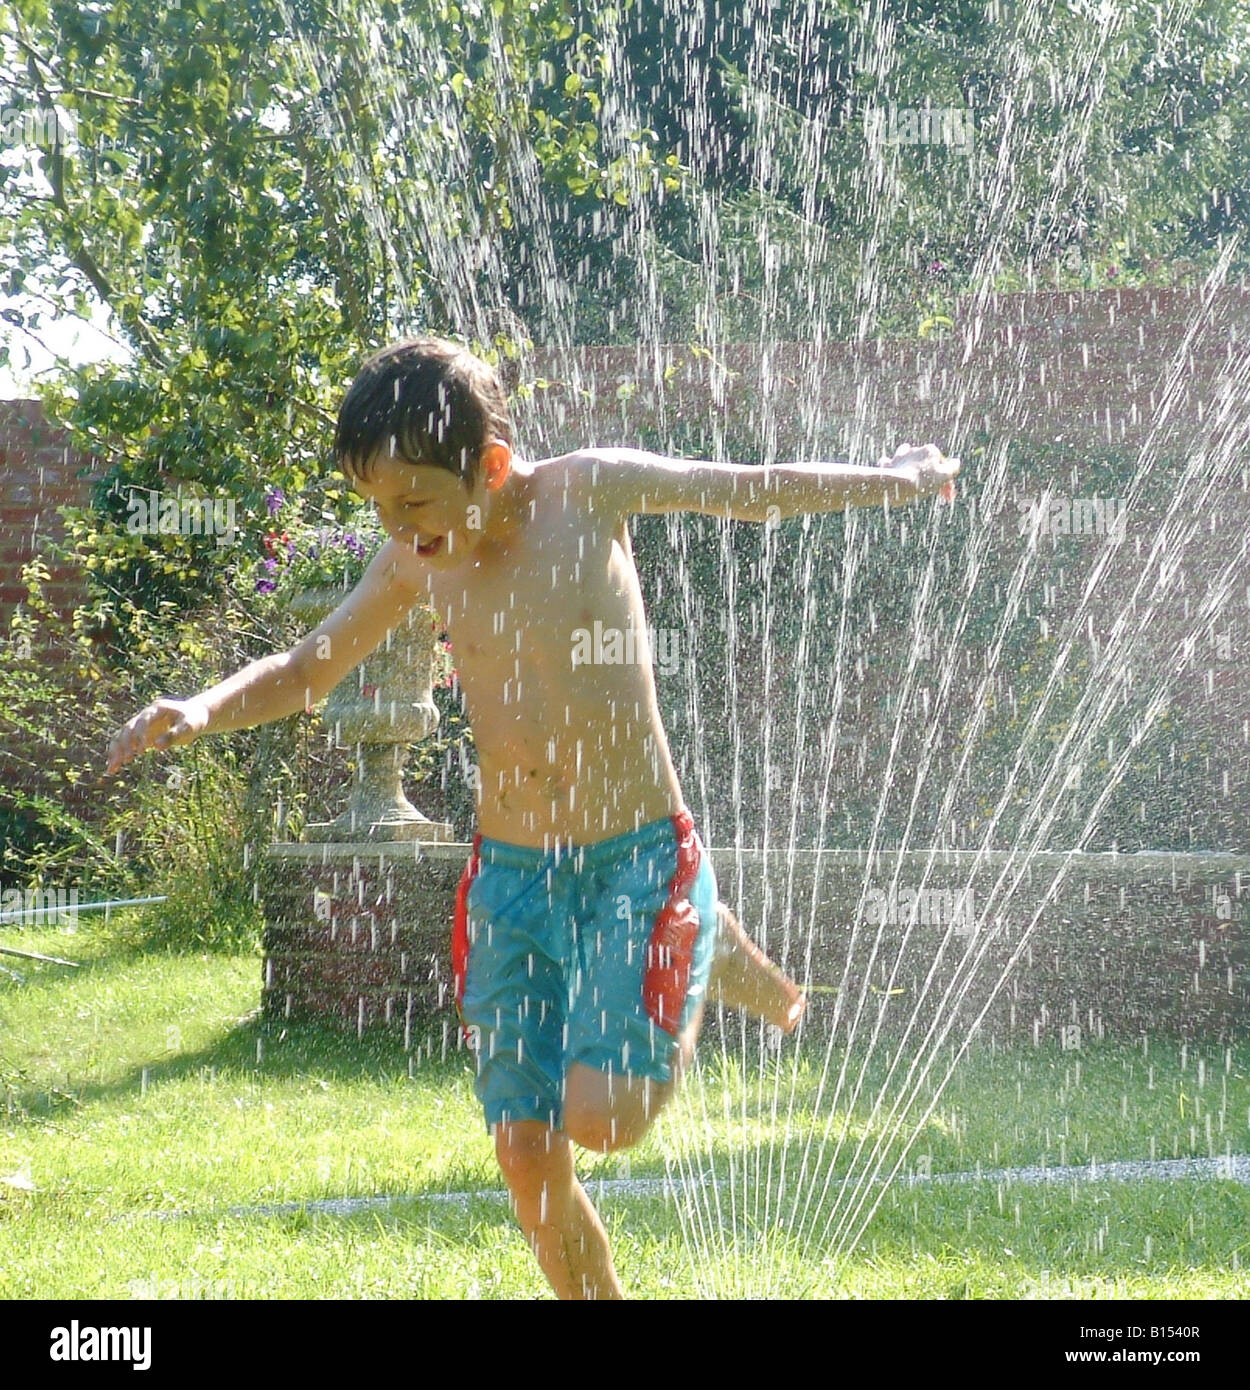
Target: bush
[[187, 824]]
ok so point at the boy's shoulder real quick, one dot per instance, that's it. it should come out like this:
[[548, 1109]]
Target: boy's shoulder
[[572, 477], [577, 463], [597, 465]]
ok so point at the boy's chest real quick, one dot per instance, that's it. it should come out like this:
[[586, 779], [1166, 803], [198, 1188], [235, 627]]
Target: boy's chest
[[530, 599]]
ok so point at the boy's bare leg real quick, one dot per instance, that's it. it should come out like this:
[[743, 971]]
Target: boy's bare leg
[[744, 978], [605, 1113], [561, 1226]]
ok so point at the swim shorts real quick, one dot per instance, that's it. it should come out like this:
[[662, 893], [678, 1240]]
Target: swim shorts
[[596, 953]]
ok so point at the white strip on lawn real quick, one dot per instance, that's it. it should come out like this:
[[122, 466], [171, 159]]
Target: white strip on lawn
[[1230, 1167]]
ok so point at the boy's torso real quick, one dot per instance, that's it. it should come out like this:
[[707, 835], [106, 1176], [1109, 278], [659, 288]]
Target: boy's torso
[[568, 748]]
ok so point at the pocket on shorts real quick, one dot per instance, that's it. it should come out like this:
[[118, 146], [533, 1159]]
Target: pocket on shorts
[[671, 946], [460, 926]]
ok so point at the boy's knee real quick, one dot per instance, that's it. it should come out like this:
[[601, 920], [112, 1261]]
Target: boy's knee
[[605, 1113], [606, 1117], [532, 1155], [605, 1132]]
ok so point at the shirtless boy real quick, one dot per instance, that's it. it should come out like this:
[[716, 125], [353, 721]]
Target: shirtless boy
[[588, 932]]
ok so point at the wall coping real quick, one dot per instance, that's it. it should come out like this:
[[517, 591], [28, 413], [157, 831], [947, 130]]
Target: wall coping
[[1144, 865]]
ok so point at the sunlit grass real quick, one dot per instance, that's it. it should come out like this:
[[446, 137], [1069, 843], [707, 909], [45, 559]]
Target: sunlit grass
[[145, 1083]]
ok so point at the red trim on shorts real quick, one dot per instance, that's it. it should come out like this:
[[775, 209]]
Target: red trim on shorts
[[670, 951], [460, 927]]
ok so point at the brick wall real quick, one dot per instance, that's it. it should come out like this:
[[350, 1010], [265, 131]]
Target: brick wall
[[1152, 370], [1137, 368], [1049, 366], [359, 935], [1121, 951], [38, 473], [1055, 367]]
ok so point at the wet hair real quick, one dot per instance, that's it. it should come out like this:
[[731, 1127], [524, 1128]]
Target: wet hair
[[424, 401]]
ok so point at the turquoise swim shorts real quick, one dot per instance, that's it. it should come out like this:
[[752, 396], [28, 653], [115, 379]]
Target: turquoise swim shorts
[[596, 953]]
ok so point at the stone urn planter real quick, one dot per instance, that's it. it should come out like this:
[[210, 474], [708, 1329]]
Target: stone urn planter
[[383, 706]]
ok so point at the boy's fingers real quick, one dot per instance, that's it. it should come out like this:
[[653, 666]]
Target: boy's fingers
[[133, 738]]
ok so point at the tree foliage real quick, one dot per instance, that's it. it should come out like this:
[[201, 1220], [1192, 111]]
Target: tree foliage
[[260, 193], [1067, 142]]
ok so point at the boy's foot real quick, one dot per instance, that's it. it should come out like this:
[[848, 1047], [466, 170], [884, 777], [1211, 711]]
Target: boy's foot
[[744, 978]]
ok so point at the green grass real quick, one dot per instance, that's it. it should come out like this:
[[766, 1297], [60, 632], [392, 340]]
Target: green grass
[[146, 1083]]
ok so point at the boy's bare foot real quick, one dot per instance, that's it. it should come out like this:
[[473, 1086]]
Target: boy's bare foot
[[744, 978]]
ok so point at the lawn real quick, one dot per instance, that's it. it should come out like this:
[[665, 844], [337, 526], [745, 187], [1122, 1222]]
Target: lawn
[[144, 1098]]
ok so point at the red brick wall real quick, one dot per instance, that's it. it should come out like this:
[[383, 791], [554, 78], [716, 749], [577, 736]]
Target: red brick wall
[[1135, 369], [38, 473], [1054, 366], [1049, 366], [1073, 368]]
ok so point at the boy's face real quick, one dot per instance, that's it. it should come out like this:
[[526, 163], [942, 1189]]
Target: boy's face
[[429, 509]]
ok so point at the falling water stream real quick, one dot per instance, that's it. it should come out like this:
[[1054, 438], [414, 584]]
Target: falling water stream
[[797, 1158]]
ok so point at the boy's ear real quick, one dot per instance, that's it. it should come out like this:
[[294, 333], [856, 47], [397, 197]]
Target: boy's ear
[[494, 462]]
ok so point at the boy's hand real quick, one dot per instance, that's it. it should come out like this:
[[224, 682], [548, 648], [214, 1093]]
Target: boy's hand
[[927, 467], [163, 724]]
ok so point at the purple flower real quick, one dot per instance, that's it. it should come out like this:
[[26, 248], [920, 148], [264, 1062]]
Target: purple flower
[[274, 498], [265, 586], [270, 564]]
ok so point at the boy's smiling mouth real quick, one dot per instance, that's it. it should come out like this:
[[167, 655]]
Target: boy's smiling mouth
[[430, 547]]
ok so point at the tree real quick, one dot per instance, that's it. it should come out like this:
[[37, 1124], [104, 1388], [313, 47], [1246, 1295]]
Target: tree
[[261, 193], [853, 166]]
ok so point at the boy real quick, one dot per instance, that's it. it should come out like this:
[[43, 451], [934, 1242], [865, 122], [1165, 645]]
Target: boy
[[587, 931]]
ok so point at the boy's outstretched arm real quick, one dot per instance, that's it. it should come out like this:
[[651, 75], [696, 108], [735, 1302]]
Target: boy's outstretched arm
[[632, 480], [285, 682]]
